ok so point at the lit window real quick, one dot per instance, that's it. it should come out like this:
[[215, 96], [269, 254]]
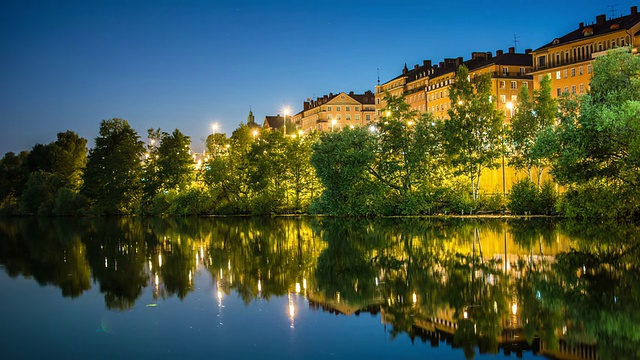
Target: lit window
[[348, 108], [348, 117], [337, 108], [573, 72], [514, 99], [357, 116], [338, 117], [580, 70], [565, 73], [581, 88], [558, 75], [502, 85], [514, 85], [573, 89], [503, 98]]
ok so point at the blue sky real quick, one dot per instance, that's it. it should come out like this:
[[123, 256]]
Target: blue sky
[[66, 65]]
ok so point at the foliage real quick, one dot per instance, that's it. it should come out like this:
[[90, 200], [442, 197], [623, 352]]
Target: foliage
[[526, 198], [598, 199], [69, 203], [531, 117], [473, 132], [39, 194], [342, 161], [113, 172]]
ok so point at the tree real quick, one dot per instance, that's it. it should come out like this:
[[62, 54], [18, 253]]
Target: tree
[[342, 161], [69, 159], [602, 140], [409, 147], [175, 165], [13, 177], [473, 132], [112, 175], [531, 118]]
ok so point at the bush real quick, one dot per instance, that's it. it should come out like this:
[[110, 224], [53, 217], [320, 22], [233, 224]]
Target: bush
[[525, 198], [69, 203], [598, 200], [493, 203], [194, 201]]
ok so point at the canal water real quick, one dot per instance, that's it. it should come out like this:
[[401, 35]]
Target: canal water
[[318, 288]]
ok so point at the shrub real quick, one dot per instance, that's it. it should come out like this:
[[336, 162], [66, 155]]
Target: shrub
[[69, 203]]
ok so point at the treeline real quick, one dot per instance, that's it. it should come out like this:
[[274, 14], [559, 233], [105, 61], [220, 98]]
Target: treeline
[[408, 163]]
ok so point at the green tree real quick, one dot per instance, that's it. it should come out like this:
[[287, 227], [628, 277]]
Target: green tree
[[114, 168], [409, 148], [602, 140], [13, 177], [69, 159], [175, 165], [473, 132], [342, 161], [531, 117]]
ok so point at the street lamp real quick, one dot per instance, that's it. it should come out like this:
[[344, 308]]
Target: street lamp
[[214, 127], [333, 123], [510, 107], [285, 111]]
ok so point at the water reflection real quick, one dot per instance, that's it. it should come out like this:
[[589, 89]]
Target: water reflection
[[558, 289]]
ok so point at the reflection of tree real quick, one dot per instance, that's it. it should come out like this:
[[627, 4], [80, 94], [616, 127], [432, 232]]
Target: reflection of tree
[[49, 250], [597, 284], [116, 252]]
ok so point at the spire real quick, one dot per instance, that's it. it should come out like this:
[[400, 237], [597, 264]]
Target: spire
[[251, 119]]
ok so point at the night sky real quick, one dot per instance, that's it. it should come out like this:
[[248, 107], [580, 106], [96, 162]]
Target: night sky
[[66, 65]]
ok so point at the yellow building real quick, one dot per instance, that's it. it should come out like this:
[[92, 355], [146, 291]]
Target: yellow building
[[335, 111], [426, 86], [567, 59]]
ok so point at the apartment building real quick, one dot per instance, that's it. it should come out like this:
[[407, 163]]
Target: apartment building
[[335, 111], [426, 86], [568, 58]]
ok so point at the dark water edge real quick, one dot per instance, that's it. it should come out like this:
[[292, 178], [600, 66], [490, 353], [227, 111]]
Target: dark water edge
[[444, 287]]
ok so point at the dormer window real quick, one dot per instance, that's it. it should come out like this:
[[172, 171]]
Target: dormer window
[[556, 41], [587, 31]]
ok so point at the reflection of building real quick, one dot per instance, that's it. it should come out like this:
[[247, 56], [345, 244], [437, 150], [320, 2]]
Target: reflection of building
[[336, 111], [568, 58]]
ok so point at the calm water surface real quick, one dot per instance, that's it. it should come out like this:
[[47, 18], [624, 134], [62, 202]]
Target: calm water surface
[[318, 289]]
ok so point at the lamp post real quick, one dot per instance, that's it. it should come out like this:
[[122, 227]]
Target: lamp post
[[333, 123], [285, 111]]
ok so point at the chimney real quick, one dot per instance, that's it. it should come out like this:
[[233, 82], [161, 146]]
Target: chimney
[[512, 50], [634, 10], [415, 67], [350, 93], [478, 55], [600, 19], [581, 25], [528, 51], [441, 64], [307, 106], [426, 63], [459, 60], [498, 52]]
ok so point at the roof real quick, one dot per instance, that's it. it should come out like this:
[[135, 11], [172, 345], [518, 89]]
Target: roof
[[273, 122], [478, 60], [600, 27]]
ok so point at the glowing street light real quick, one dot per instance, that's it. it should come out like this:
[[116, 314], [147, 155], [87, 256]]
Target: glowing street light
[[333, 123], [286, 112], [214, 127], [510, 107]]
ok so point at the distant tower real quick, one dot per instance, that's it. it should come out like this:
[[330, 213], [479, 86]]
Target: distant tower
[[251, 120]]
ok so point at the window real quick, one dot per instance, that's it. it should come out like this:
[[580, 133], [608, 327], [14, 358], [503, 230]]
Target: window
[[542, 61], [358, 117], [348, 117], [522, 71], [348, 108], [558, 76], [357, 108], [503, 98], [330, 116], [573, 72], [573, 89], [329, 107], [565, 73], [338, 117], [581, 88], [337, 108], [580, 70], [525, 84], [514, 85], [514, 99], [502, 85], [589, 69], [566, 89], [559, 92], [505, 70], [368, 117]]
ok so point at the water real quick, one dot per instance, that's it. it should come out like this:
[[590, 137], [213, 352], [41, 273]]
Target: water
[[300, 288]]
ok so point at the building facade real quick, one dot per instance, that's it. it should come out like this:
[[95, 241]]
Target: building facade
[[426, 86], [568, 59], [336, 111]]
